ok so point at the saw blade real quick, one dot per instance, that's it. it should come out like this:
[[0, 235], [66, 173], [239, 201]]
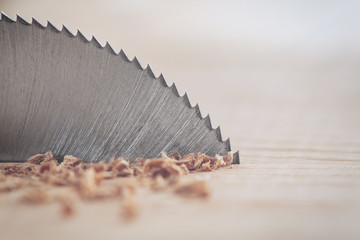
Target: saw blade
[[65, 94]]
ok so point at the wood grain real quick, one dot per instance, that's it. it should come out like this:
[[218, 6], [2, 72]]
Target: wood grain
[[299, 178], [293, 114]]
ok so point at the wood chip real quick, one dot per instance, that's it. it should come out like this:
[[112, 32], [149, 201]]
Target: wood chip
[[195, 189], [42, 172], [129, 209], [175, 155], [48, 166], [121, 168], [140, 161], [206, 167], [71, 161], [39, 158], [184, 169], [228, 158], [87, 185], [99, 167], [138, 171], [67, 205], [35, 196]]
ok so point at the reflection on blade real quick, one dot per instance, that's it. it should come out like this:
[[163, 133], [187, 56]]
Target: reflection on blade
[[65, 94]]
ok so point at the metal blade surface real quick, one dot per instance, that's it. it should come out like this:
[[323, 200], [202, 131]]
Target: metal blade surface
[[65, 94]]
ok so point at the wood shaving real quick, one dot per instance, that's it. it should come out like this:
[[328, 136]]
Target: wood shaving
[[121, 168], [158, 183], [19, 170], [130, 209], [48, 166], [67, 205], [175, 155], [39, 158], [35, 196], [11, 184], [42, 173], [219, 162], [184, 169], [87, 185], [228, 158], [195, 189], [2, 177], [140, 161], [206, 167], [71, 161], [138, 171]]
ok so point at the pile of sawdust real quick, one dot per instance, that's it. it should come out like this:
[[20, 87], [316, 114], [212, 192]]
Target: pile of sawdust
[[42, 173]]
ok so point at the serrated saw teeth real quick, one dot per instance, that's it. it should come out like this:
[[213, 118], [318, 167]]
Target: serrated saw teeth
[[137, 63], [109, 106], [123, 55], [236, 158], [37, 23], [52, 27], [150, 71], [96, 42], [22, 20], [227, 143], [174, 90], [81, 36], [197, 110], [109, 48], [67, 31], [186, 100], [218, 134], [208, 121], [6, 18], [162, 80]]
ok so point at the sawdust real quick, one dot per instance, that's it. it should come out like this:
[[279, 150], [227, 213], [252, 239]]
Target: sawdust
[[42, 175], [36, 195], [194, 189], [67, 205], [129, 209], [206, 167], [71, 161], [121, 168], [39, 158], [175, 155]]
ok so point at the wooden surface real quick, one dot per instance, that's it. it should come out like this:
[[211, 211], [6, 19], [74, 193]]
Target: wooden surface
[[292, 109], [299, 178]]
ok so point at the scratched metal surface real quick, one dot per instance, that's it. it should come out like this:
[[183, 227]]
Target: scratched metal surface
[[289, 99], [65, 94]]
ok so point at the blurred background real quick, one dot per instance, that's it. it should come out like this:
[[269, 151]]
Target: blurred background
[[264, 70], [281, 78]]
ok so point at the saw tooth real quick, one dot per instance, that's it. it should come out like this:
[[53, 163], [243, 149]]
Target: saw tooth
[[96, 42], [84, 142], [174, 89], [67, 31], [218, 134], [81, 36], [22, 20], [37, 23], [186, 100], [236, 158], [197, 110], [109, 48], [227, 143], [137, 63], [123, 55], [52, 27], [162, 80], [150, 71], [6, 18], [208, 122]]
